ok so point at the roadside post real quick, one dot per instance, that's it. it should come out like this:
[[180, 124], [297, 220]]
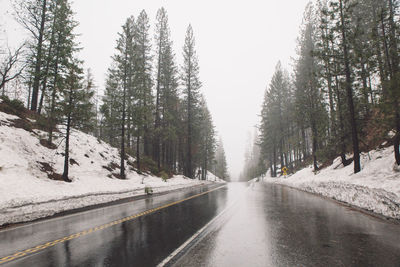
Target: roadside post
[[284, 171]]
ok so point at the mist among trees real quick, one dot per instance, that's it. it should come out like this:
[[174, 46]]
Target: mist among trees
[[342, 98], [151, 108]]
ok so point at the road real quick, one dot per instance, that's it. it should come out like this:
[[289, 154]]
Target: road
[[279, 226], [241, 225]]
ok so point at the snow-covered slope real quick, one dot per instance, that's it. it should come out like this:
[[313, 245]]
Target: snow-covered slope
[[376, 188], [26, 166], [211, 177]]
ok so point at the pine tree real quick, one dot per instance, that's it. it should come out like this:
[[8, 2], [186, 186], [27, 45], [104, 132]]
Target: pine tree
[[308, 98], [85, 115], [349, 89], [221, 167], [329, 56], [279, 134], [70, 107], [345, 85], [59, 60], [165, 121], [394, 71], [191, 86], [76, 107], [170, 118], [111, 108], [124, 61], [161, 38], [207, 141], [142, 84]]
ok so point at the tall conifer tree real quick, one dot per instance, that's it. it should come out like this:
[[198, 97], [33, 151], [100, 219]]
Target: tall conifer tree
[[191, 85]]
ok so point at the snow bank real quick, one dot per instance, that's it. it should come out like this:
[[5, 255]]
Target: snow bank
[[376, 188], [212, 178], [26, 193]]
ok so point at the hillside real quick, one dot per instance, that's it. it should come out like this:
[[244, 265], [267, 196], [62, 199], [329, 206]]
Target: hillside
[[30, 184], [375, 188]]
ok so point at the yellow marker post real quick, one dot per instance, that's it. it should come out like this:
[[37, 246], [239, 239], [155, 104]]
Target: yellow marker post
[[284, 170]]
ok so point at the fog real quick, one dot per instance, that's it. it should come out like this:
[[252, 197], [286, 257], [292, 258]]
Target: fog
[[238, 45]]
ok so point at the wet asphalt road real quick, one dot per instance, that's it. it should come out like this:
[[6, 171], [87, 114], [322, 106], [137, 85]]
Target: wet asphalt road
[[143, 241], [279, 226], [260, 225]]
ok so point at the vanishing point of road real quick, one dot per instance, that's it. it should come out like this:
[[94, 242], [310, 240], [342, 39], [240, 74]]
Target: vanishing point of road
[[237, 224]]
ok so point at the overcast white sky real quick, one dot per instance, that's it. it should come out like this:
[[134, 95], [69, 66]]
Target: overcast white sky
[[238, 45]]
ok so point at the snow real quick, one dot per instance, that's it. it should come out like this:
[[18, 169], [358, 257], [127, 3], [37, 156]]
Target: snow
[[376, 188], [212, 178], [255, 180], [26, 193]]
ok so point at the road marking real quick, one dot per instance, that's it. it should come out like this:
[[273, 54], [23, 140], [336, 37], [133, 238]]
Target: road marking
[[73, 214], [193, 237], [29, 251]]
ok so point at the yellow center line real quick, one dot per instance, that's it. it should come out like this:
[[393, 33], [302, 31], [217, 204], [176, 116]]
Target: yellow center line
[[37, 248]]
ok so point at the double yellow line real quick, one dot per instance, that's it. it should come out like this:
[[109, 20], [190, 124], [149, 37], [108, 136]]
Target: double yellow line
[[37, 248]]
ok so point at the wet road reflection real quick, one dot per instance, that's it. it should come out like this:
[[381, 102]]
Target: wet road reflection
[[264, 225], [145, 241], [279, 226]]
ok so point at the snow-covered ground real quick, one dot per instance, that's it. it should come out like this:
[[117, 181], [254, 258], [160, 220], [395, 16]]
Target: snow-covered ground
[[211, 177], [376, 188], [26, 192]]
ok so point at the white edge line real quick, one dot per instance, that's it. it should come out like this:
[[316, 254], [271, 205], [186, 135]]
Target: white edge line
[[182, 247]]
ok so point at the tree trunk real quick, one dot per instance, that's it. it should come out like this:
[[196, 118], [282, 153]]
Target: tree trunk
[[332, 116], [129, 130], [314, 144], [53, 96], [189, 137], [349, 90], [304, 146], [52, 39], [138, 153], [395, 80], [274, 174], [365, 89], [342, 132], [66, 157], [29, 93], [375, 36], [156, 146], [385, 44], [38, 63], [270, 166], [122, 172], [371, 93], [206, 167]]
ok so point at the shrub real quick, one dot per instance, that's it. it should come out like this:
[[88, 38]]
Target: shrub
[[148, 164], [42, 123], [164, 176], [5, 98], [148, 190], [17, 105], [14, 104], [14, 107]]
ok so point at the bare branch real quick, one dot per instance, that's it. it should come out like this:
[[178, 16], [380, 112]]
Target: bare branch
[[11, 67]]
